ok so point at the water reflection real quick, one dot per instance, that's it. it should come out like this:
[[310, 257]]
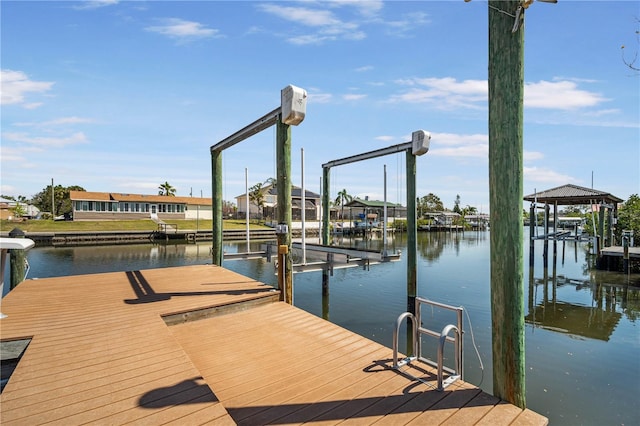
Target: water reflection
[[612, 295]]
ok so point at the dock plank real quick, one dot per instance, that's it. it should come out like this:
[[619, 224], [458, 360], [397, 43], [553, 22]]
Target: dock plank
[[101, 353]]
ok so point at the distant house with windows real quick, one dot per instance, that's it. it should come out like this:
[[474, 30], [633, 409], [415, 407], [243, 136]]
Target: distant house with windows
[[118, 206], [365, 211], [312, 204]]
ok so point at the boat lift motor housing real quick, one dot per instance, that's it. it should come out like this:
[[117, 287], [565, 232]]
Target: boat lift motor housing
[[420, 142], [293, 102]]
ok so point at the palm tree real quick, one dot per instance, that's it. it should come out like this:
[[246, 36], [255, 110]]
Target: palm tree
[[340, 201], [167, 190]]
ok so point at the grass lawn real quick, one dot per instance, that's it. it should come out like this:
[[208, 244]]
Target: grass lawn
[[117, 225]]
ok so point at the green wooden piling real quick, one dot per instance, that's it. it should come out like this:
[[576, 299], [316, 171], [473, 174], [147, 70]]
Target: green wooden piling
[[506, 87], [216, 206], [412, 233], [326, 207], [283, 178]]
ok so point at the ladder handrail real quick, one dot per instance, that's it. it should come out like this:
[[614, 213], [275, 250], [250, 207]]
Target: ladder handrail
[[442, 337]]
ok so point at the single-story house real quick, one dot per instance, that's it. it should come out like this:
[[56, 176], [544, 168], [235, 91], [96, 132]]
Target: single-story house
[[117, 206], [373, 210], [312, 204], [8, 207]]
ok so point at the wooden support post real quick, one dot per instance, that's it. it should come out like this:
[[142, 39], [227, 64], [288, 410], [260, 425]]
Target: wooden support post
[[283, 160], [326, 208], [555, 231], [412, 233], [532, 226], [285, 290], [325, 287], [610, 227], [216, 207], [506, 88], [545, 250]]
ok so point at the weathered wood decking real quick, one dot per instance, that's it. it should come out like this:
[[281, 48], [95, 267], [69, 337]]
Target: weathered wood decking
[[101, 353]]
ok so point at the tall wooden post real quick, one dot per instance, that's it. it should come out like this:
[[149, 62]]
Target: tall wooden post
[[283, 160], [412, 233], [532, 230], [326, 208], [506, 87], [216, 197]]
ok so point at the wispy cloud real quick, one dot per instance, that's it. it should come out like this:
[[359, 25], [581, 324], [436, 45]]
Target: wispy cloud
[[324, 24], [364, 68], [16, 84], [56, 122], [449, 93], [94, 4], [547, 176], [444, 93], [46, 141], [319, 97], [353, 96], [184, 31]]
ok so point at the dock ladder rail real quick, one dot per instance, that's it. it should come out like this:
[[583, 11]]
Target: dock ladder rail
[[443, 337]]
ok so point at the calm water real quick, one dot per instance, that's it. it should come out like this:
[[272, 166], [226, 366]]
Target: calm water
[[582, 337]]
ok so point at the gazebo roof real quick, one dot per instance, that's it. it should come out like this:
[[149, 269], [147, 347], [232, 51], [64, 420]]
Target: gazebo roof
[[572, 194]]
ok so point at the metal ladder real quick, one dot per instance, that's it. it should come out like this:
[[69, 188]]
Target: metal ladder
[[443, 337]]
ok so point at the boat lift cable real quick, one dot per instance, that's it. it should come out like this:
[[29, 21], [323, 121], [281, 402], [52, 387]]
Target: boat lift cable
[[475, 347]]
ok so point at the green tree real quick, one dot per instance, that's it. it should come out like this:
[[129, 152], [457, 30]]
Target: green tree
[[167, 190], [431, 203], [19, 210], [629, 217], [62, 201]]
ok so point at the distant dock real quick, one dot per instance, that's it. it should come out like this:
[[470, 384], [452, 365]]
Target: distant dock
[[125, 347]]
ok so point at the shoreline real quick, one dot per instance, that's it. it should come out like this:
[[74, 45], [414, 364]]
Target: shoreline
[[88, 238]]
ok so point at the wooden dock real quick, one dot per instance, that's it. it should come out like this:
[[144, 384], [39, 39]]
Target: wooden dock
[[124, 347]]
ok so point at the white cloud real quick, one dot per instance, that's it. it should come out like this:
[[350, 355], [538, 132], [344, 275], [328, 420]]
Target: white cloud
[[448, 93], [42, 141], [445, 93], [320, 98], [548, 176], [94, 4], [183, 30], [56, 122], [16, 84], [301, 15], [559, 95], [324, 23], [364, 68], [353, 97], [533, 155], [385, 138]]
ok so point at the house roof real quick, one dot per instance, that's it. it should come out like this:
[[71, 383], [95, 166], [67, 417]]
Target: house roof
[[572, 194], [357, 202], [136, 198], [296, 192]]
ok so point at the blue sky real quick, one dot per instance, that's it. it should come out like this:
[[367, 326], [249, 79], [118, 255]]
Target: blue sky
[[122, 96]]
